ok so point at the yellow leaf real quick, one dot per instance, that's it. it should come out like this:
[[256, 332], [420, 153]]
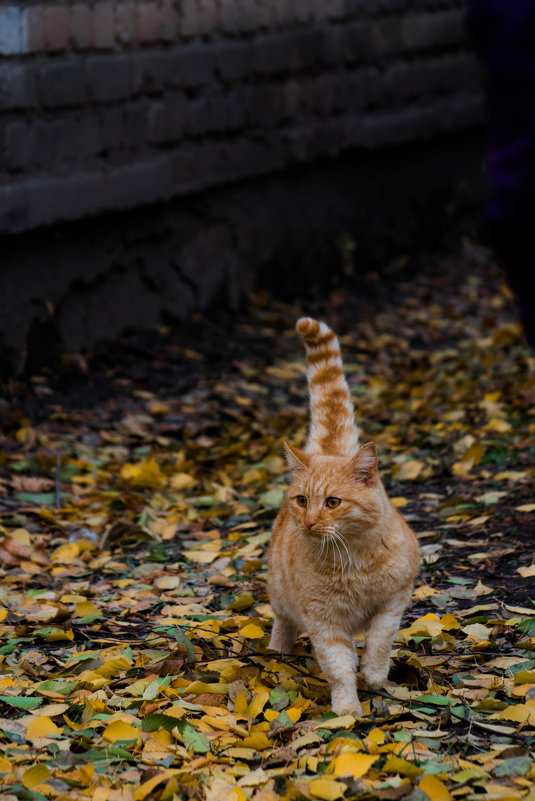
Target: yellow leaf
[[113, 667], [522, 713], [35, 775], [434, 788], [120, 730], [476, 632], [257, 704], [147, 787], [293, 713], [204, 687], [377, 736], [526, 507], [86, 608], [3, 614], [240, 704], [326, 789], [527, 572], [449, 622], [429, 625], [478, 521], [341, 722], [202, 557], [396, 764], [462, 468], [525, 677], [144, 474], [181, 481], [497, 424], [399, 501], [425, 591], [42, 726], [409, 471], [66, 553], [252, 631], [242, 602], [354, 764], [167, 582], [259, 741]]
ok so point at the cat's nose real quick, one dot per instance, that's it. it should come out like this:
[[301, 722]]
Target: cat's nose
[[309, 522]]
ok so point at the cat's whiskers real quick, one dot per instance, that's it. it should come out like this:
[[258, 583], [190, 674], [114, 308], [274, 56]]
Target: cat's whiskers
[[338, 536], [318, 558]]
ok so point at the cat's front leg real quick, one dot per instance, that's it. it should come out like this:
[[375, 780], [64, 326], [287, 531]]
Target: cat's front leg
[[283, 635], [382, 628], [337, 658]]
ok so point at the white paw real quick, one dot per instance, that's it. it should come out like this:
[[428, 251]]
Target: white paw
[[348, 708], [375, 679]]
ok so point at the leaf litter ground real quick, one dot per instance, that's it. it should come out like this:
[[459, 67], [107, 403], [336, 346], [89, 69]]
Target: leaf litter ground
[[138, 494]]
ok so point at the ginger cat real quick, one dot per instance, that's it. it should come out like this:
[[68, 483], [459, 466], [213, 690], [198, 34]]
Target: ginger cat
[[341, 557]]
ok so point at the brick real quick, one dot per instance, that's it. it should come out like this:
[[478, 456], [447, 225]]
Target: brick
[[10, 31], [262, 13], [320, 93], [168, 22], [89, 141], [232, 59], [196, 117], [18, 149], [17, 86], [193, 65], [188, 25], [103, 29], [65, 132], [270, 53], [336, 9], [303, 11], [229, 16], [81, 26], [150, 71], [332, 45], [111, 128], [125, 22], [166, 120], [62, 84], [365, 85], [225, 112], [319, 10], [32, 29], [357, 42], [109, 77], [304, 48], [430, 30], [147, 22], [207, 16], [386, 36], [45, 145], [292, 99], [134, 127], [57, 28]]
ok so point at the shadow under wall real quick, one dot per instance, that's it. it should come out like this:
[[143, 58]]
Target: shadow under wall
[[68, 287]]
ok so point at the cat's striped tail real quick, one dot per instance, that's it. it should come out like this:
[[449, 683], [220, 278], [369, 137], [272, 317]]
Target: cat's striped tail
[[332, 426]]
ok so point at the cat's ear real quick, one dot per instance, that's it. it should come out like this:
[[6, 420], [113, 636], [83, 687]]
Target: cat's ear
[[297, 459], [364, 464]]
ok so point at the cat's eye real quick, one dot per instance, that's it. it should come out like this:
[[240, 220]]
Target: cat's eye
[[332, 503], [301, 500]]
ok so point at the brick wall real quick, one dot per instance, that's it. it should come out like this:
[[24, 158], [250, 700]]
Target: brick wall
[[108, 105]]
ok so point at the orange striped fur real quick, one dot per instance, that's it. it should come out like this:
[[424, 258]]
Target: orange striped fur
[[341, 556]]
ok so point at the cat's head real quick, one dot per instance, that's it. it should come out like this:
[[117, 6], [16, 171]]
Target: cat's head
[[337, 494]]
